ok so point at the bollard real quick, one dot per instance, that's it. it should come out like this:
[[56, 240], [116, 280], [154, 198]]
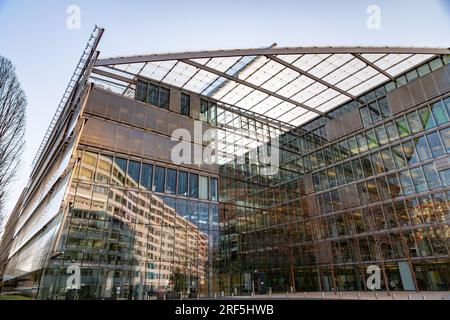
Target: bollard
[[164, 297], [215, 295], [270, 291], [323, 295], [222, 293], [304, 294], [376, 295], [359, 296], [340, 295], [409, 297], [393, 296], [198, 296], [424, 298]]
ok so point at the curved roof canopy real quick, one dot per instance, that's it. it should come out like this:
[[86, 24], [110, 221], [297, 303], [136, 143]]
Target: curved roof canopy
[[291, 85]]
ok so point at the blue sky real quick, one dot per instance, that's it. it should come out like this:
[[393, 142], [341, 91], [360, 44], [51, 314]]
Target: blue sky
[[34, 36]]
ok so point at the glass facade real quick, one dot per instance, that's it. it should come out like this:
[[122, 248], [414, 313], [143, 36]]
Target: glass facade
[[367, 183]]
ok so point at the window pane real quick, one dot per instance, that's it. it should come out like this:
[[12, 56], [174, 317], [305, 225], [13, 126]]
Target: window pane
[[203, 188], [399, 157], [353, 146], [388, 162], [212, 110], [422, 148], [182, 183], [402, 127], [371, 139], [362, 143], [213, 189], [427, 118], [153, 94], [447, 104], [119, 170], [365, 116], [445, 177], [104, 168], [185, 104], [432, 176], [439, 113], [418, 179], [133, 173], [164, 98], [410, 152], [377, 162], [141, 91], [171, 181], [193, 185], [435, 144], [406, 181], [384, 108], [147, 176], [160, 175], [381, 135], [445, 135], [414, 122], [391, 131], [203, 110]]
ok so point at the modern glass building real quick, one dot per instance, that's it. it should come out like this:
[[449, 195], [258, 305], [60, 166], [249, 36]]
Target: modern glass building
[[358, 140]]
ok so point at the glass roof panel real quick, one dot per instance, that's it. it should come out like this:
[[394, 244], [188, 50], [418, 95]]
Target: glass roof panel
[[289, 57], [368, 84], [239, 92], [180, 74], [303, 118], [280, 80], [252, 99], [308, 61], [309, 92], [351, 67], [222, 64], [266, 104], [322, 97], [391, 59], [295, 86], [201, 80], [279, 110], [407, 64], [330, 64], [251, 68], [157, 70], [373, 56], [266, 72], [333, 103]]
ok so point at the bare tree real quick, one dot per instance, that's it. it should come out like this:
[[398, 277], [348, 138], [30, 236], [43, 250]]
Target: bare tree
[[12, 126]]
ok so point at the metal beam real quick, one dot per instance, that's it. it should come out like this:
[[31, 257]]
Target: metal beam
[[266, 51], [309, 75], [250, 85], [112, 75], [374, 66]]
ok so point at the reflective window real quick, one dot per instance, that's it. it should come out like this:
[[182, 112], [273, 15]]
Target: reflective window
[[436, 146], [362, 143], [384, 107], [147, 176], [164, 97], [203, 110], [185, 104], [381, 135], [388, 162], [365, 116], [445, 135], [153, 94], [431, 176], [141, 91], [171, 181], [374, 112], [406, 181], [377, 162], [193, 185], [134, 168], [367, 165], [213, 189], [104, 168], [426, 118], [391, 131], [422, 148], [119, 170], [447, 104], [353, 146], [402, 127], [445, 177], [439, 113], [414, 122], [88, 165], [418, 179], [203, 187], [411, 155], [160, 176], [371, 139], [399, 158], [182, 183]]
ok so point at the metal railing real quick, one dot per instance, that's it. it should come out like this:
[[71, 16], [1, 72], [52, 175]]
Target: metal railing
[[76, 76]]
